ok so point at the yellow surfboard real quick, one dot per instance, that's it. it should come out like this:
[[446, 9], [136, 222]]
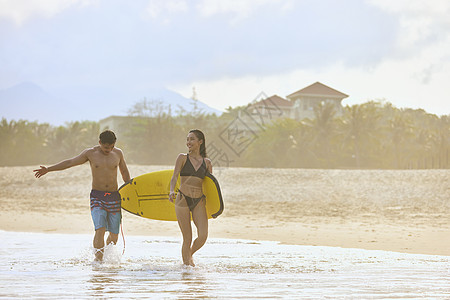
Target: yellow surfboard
[[148, 196]]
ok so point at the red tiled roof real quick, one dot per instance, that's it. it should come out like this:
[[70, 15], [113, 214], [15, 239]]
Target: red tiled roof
[[274, 100], [318, 89]]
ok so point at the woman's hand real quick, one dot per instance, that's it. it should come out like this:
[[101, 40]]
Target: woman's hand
[[171, 196]]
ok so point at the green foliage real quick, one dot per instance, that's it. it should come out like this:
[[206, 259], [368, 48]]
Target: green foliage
[[153, 141], [26, 143], [157, 137], [368, 135]]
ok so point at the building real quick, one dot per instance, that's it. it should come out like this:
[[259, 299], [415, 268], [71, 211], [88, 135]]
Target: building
[[304, 100], [273, 107], [262, 111], [298, 105]]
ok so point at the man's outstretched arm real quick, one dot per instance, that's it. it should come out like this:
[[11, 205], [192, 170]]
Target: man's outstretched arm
[[71, 162]]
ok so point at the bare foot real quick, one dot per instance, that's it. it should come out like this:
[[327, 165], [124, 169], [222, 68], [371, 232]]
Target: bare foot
[[191, 262], [98, 254]]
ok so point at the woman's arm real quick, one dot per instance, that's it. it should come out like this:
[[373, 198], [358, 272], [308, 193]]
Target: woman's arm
[[208, 165], [181, 159]]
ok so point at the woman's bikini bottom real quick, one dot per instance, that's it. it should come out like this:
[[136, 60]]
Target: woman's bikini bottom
[[191, 202]]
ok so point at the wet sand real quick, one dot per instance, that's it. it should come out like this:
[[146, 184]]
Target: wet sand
[[404, 211]]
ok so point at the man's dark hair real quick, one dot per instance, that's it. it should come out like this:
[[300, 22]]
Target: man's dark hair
[[108, 137]]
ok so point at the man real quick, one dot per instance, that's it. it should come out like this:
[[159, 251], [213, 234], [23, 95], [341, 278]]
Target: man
[[105, 199]]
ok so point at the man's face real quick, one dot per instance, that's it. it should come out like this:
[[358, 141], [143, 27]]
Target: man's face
[[106, 148]]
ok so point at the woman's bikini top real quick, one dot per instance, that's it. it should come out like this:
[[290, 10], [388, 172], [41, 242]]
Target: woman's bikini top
[[189, 170]]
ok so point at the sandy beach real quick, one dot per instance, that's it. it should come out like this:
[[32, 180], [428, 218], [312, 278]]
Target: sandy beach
[[402, 211]]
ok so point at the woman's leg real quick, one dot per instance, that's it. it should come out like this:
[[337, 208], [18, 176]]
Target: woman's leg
[[184, 221], [201, 222]]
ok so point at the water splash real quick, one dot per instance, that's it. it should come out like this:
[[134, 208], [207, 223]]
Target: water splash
[[112, 255], [152, 268]]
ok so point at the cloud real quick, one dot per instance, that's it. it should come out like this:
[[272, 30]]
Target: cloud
[[230, 50], [394, 81], [410, 71], [180, 41], [421, 22], [423, 43], [238, 9], [235, 10], [21, 11], [164, 10]]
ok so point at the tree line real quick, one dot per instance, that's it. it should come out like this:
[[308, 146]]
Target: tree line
[[372, 135], [30, 143]]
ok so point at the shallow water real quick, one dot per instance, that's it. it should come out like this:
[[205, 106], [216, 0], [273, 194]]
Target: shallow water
[[58, 266]]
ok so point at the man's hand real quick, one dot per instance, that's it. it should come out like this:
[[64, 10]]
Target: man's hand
[[40, 172]]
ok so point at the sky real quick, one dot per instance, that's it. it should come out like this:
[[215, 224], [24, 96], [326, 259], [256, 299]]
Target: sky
[[232, 50]]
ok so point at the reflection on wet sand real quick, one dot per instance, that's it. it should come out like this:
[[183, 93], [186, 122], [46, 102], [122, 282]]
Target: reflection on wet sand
[[103, 282], [195, 286], [226, 269], [149, 278]]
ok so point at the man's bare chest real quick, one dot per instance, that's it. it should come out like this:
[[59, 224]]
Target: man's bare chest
[[104, 162]]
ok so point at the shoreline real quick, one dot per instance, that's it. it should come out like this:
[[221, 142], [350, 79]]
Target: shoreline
[[425, 239], [401, 211]]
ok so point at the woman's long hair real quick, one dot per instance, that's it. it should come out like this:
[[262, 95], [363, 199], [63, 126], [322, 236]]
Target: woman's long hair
[[200, 136]]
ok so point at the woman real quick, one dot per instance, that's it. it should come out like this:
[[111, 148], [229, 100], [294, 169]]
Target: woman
[[192, 168]]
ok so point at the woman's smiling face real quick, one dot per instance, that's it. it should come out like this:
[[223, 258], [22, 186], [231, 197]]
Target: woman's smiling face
[[192, 142]]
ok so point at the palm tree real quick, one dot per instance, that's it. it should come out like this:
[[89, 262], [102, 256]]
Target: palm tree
[[7, 132], [323, 129], [442, 141], [359, 130], [399, 134]]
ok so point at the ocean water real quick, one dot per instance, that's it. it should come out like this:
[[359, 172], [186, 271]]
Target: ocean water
[[60, 266]]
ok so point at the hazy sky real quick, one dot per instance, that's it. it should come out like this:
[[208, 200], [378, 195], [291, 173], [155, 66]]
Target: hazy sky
[[231, 50]]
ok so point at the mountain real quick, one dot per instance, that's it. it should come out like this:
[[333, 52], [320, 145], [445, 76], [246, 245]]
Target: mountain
[[28, 101]]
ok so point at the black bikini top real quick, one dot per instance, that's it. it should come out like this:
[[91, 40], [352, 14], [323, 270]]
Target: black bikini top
[[189, 170]]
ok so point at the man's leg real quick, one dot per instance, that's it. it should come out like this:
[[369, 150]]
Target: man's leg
[[99, 243], [113, 226], [112, 238], [99, 218]]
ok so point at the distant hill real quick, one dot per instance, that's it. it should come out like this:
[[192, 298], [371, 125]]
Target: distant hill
[[29, 101]]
